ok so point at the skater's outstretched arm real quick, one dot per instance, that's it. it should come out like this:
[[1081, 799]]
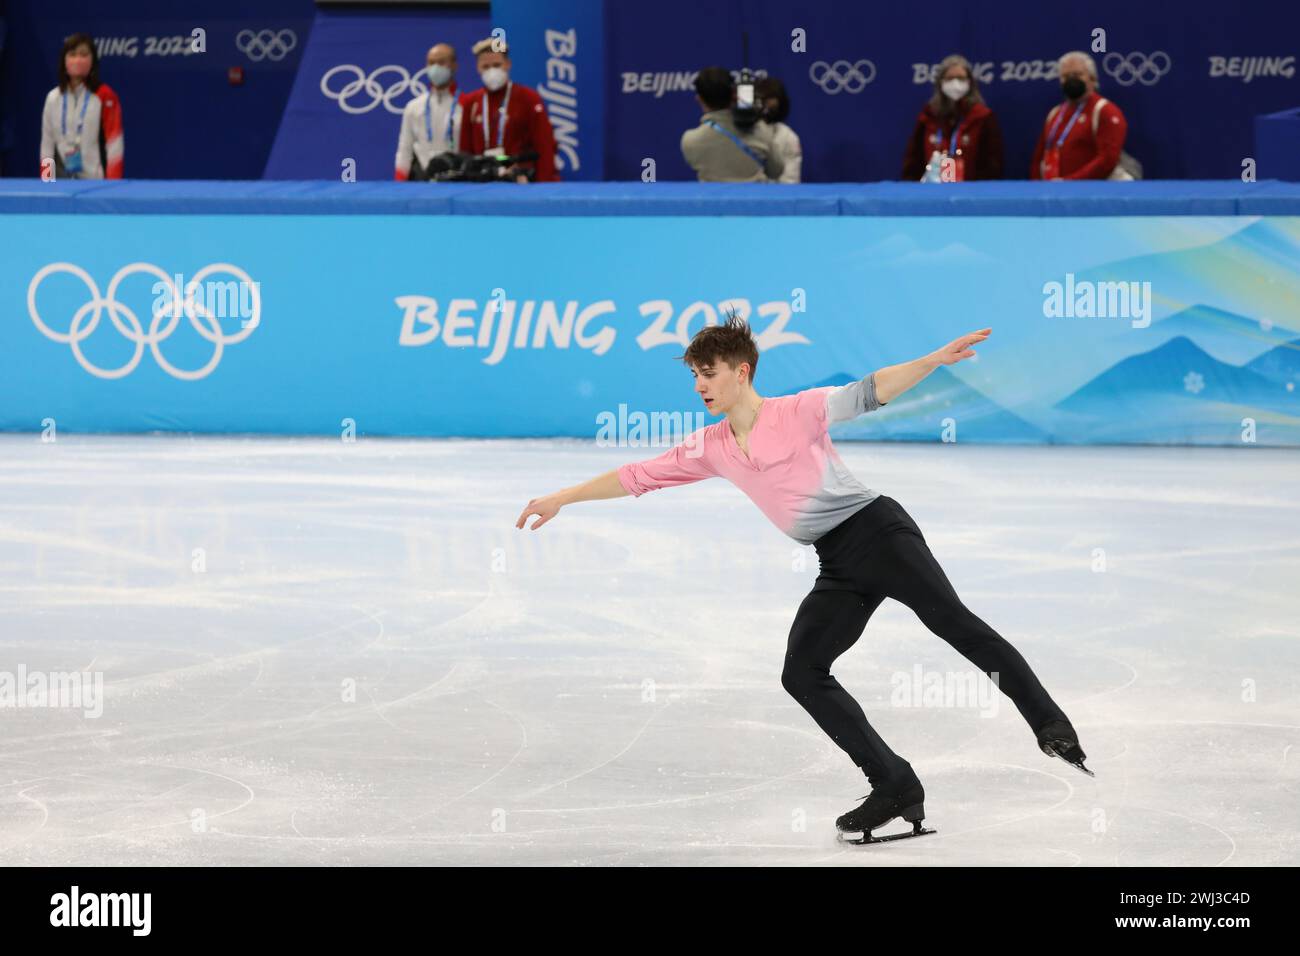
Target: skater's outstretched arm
[[894, 380], [602, 486]]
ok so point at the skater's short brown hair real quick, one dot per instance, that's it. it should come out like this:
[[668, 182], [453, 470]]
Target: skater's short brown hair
[[732, 342]]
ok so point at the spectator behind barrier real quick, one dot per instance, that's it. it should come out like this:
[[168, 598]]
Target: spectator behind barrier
[[718, 150], [1083, 137], [776, 108], [505, 118], [81, 126], [957, 137], [431, 121]]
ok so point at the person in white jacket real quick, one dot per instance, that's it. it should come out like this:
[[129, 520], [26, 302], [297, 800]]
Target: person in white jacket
[[431, 121], [776, 107], [81, 124]]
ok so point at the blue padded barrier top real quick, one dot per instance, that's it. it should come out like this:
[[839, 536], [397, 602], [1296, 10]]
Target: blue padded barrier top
[[1018, 198]]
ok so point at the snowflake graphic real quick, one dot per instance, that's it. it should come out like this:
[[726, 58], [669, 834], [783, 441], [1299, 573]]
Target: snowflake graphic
[[1193, 382]]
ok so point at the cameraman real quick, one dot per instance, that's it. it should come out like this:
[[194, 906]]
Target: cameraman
[[719, 150]]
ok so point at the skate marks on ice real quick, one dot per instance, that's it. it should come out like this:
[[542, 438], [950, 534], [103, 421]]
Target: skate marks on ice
[[523, 689], [1113, 819]]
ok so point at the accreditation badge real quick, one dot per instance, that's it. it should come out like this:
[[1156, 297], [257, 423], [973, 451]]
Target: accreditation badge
[[72, 159]]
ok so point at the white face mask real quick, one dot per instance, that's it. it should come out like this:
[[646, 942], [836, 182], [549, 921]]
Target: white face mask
[[494, 77], [439, 75], [955, 89]]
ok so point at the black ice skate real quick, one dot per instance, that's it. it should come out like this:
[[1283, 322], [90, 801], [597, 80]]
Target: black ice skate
[[878, 810], [1058, 739]]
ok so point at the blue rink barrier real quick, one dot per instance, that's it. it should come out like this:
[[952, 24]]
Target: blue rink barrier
[[1151, 312], [326, 198]]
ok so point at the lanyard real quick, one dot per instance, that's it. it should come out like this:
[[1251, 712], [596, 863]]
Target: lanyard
[[501, 119], [952, 143], [81, 120], [428, 116], [1052, 132], [736, 139]]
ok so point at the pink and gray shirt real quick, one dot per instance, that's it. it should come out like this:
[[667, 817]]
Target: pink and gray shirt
[[792, 472]]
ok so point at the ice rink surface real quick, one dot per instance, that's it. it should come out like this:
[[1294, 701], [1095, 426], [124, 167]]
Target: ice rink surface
[[329, 653]]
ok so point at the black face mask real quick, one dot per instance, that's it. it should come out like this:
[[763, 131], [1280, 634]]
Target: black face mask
[[1074, 87]]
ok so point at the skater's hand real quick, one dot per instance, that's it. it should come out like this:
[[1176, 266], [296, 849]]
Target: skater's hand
[[959, 349], [547, 507]]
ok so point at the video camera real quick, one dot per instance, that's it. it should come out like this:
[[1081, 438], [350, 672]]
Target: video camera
[[452, 167], [747, 110]]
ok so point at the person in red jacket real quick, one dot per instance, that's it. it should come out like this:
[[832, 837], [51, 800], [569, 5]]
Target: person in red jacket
[[1082, 137], [505, 118], [112, 144], [956, 123], [86, 143]]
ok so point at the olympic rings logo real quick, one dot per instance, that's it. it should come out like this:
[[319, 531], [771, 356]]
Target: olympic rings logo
[[266, 44], [842, 76], [169, 306], [1137, 67], [372, 87]]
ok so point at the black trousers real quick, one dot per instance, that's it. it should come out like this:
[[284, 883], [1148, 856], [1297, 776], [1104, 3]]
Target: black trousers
[[877, 553]]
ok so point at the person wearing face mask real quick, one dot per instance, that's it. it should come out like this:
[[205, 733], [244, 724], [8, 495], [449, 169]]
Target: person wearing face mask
[[505, 118], [1082, 137], [776, 108], [431, 121], [956, 137], [81, 125]]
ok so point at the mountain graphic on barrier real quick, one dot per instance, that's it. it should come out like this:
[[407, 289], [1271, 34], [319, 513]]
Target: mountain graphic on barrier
[[1178, 392], [1180, 369], [1227, 336], [1279, 364], [918, 414]]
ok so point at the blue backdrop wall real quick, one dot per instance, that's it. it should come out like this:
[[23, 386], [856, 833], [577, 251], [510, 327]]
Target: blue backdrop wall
[[360, 69], [1191, 77], [560, 49], [182, 117], [857, 89]]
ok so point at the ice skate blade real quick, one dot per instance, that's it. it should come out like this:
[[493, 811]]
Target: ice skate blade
[[866, 838], [1051, 751], [1077, 766]]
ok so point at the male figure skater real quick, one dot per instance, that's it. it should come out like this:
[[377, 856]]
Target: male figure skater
[[869, 548]]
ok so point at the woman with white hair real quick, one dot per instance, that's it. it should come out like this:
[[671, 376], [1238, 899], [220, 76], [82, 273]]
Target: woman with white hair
[[1083, 136], [956, 137]]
